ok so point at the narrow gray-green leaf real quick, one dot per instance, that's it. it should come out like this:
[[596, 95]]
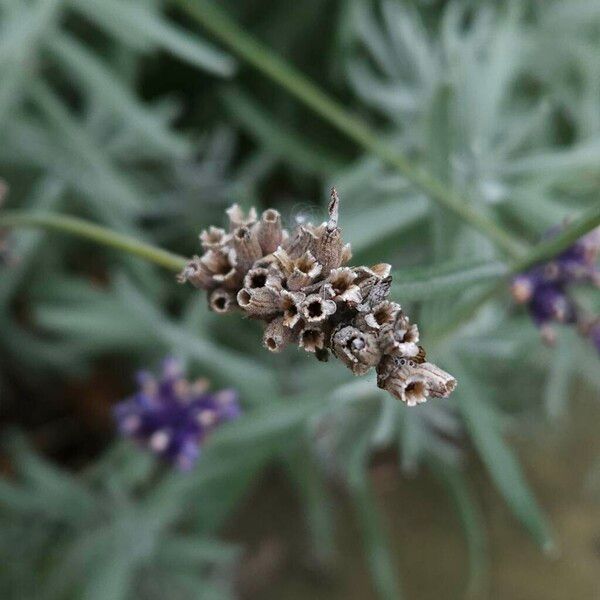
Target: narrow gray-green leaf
[[422, 283], [485, 429], [104, 85], [277, 138], [472, 523], [370, 519], [376, 222], [138, 23]]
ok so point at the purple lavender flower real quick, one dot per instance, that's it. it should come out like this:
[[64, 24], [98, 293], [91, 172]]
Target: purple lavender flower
[[551, 303], [544, 289], [173, 417]]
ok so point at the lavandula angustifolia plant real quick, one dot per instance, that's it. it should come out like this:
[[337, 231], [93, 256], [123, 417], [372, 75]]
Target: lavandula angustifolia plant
[[545, 288], [172, 416], [299, 285]]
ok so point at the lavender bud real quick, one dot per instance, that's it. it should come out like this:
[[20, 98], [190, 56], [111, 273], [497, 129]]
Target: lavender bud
[[522, 288], [550, 303]]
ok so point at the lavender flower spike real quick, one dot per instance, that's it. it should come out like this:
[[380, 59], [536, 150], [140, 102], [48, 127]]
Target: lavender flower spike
[[172, 417], [545, 288]]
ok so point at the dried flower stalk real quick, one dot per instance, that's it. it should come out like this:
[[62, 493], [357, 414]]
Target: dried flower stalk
[[299, 286]]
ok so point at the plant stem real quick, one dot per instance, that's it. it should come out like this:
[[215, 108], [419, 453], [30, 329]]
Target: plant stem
[[579, 226], [95, 233], [213, 18]]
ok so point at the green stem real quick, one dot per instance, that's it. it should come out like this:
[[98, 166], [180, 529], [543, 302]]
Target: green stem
[[213, 18], [579, 226], [95, 233], [104, 236]]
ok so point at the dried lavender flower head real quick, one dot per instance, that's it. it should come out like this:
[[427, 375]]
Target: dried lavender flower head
[[300, 285], [172, 417], [544, 289]]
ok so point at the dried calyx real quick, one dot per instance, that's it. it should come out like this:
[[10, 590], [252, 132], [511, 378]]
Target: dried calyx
[[299, 284]]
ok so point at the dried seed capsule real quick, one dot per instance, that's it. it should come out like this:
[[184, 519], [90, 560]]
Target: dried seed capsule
[[315, 309], [224, 267], [329, 245], [401, 338], [261, 302], [385, 313], [214, 238], [222, 301], [305, 270], [237, 218], [268, 231], [285, 261], [290, 304], [369, 278], [312, 340], [302, 240], [357, 349], [256, 278], [328, 250], [379, 292], [340, 286], [196, 274], [213, 268], [247, 248], [277, 335], [413, 383]]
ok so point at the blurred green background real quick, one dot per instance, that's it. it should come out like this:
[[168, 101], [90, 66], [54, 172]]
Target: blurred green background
[[139, 116]]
